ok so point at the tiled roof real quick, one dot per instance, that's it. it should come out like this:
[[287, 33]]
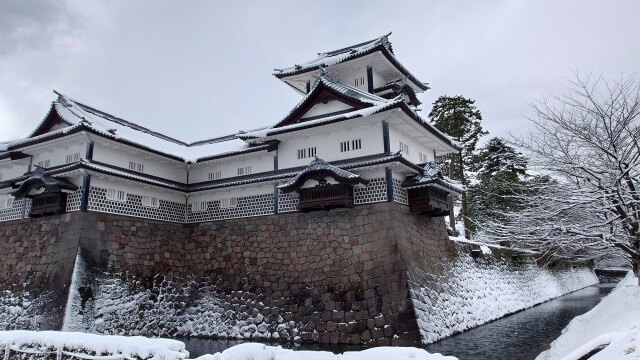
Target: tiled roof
[[334, 57], [40, 179], [431, 175], [319, 167]]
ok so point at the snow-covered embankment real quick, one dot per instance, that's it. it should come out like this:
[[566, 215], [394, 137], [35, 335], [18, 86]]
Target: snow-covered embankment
[[613, 325]]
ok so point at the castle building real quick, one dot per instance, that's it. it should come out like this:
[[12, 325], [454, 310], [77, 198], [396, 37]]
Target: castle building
[[354, 138]]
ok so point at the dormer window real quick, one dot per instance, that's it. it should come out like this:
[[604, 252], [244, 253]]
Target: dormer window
[[135, 166], [73, 157]]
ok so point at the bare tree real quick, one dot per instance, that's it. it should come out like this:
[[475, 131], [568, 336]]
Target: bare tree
[[586, 143]]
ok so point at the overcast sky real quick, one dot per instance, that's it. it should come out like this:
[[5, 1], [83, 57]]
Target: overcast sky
[[199, 69]]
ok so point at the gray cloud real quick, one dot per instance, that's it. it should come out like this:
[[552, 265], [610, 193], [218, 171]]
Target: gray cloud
[[198, 69]]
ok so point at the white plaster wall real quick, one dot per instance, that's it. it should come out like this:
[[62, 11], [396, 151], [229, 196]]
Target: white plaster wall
[[13, 169], [57, 152], [259, 162], [415, 147], [328, 144], [330, 107], [119, 155]]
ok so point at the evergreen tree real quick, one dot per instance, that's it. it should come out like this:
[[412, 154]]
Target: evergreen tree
[[501, 175], [459, 118]]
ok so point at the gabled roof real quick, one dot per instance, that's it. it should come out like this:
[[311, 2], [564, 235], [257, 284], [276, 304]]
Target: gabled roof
[[318, 168], [431, 175], [334, 57], [77, 116], [327, 88]]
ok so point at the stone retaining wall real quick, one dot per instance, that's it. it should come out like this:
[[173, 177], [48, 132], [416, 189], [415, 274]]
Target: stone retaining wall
[[354, 276]]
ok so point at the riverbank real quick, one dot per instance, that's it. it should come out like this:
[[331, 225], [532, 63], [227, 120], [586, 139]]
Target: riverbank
[[610, 331]]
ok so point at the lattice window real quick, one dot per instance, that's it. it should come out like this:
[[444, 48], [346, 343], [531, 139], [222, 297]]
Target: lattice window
[[287, 202], [246, 206], [423, 157], [376, 191], [14, 211], [166, 210], [151, 201], [244, 170], [6, 202], [307, 152], [215, 175], [136, 166], [44, 163], [73, 157], [117, 195], [404, 148], [73, 200], [400, 194]]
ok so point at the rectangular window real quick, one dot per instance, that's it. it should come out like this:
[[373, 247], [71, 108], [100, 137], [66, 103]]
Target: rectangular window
[[199, 206], [244, 170], [43, 163], [306, 153], [135, 166], [116, 195], [215, 175], [404, 148], [228, 202], [423, 158], [6, 202], [358, 81], [150, 201], [73, 157], [351, 145]]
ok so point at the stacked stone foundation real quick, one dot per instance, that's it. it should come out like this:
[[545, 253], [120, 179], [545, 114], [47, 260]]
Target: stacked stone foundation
[[351, 276]]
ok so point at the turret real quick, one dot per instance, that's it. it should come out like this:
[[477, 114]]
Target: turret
[[370, 66]]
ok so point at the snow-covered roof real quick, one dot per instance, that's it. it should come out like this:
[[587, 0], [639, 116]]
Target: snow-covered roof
[[319, 167], [40, 179], [431, 175], [78, 115], [334, 57]]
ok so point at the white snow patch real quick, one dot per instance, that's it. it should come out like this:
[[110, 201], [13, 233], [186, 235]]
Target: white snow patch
[[614, 321], [90, 344], [263, 352]]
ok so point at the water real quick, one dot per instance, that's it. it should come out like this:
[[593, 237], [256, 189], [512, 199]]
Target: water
[[521, 336]]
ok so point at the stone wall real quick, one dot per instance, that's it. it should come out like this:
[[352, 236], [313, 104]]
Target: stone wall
[[373, 275], [36, 263]]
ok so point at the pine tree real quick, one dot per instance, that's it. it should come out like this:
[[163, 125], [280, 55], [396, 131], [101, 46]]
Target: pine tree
[[501, 175], [459, 118]]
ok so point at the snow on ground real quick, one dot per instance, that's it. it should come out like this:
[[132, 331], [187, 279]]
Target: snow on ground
[[90, 344], [614, 321], [263, 352]]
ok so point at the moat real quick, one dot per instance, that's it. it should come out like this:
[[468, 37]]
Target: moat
[[521, 336]]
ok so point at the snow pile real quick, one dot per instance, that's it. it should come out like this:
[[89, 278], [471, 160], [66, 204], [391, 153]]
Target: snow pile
[[264, 352], [614, 321], [80, 345], [472, 292]]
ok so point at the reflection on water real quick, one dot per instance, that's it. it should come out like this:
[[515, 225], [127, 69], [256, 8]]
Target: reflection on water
[[521, 336]]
